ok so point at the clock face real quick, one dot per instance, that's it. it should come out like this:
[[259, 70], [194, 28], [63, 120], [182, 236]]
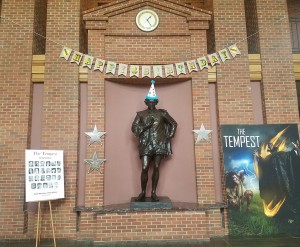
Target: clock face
[[147, 20]]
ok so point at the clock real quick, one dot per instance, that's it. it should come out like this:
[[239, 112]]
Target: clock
[[147, 20]]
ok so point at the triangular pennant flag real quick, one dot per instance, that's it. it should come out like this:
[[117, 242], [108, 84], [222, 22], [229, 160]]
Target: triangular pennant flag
[[146, 71], [234, 51], [87, 61], [157, 71], [76, 58], [65, 53], [191, 65], [99, 64], [122, 70], [169, 70], [202, 61], [224, 55], [180, 68], [213, 59], [111, 67], [134, 70]]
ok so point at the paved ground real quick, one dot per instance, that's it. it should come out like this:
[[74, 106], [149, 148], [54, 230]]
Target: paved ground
[[285, 241]]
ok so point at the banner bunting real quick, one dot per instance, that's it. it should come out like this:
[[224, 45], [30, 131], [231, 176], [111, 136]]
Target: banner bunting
[[169, 70], [111, 67], [88, 61], [99, 64], [234, 51], [224, 55], [203, 63], [149, 71], [65, 53], [122, 69], [146, 71], [191, 65], [76, 58], [157, 71], [213, 59], [134, 70], [180, 68]]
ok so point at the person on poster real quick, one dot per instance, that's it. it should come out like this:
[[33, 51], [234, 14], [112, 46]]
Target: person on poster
[[236, 193], [278, 178], [154, 128]]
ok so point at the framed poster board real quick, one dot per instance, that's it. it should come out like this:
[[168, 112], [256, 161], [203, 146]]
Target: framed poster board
[[44, 175], [262, 169]]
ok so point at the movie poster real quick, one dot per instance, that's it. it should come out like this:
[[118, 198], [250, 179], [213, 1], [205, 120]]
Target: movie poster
[[44, 174], [262, 178]]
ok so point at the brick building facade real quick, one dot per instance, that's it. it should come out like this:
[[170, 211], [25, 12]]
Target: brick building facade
[[48, 103]]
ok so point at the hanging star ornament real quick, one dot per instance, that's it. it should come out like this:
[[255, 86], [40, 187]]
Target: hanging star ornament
[[202, 134], [95, 136], [94, 163]]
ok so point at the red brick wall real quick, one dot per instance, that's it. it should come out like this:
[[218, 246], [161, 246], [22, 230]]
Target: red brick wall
[[141, 226], [60, 118], [234, 92], [277, 67], [205, 4], [94, 181], [15, 84]]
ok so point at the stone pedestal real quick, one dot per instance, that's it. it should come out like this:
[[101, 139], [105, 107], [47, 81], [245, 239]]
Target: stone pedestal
[[163, 203]]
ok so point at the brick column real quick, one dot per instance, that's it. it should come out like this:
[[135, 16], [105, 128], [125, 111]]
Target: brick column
[[60, 119], [200, 86], [16, 27], [94, 181], [279, 85], [233, 81]]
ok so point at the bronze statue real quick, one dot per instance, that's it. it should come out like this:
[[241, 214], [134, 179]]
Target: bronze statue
[[155, 128]]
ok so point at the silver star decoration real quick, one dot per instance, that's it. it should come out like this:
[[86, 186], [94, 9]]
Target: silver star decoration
[[94, 163], [95, 136], [202, 134]]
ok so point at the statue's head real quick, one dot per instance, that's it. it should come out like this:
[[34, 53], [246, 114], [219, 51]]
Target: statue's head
[[151, 103]]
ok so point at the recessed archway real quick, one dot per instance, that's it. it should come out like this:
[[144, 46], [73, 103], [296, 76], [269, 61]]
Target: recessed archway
[[123, 98]]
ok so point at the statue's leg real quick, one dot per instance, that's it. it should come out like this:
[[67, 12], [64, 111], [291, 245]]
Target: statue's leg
[[144, 178], [155, 177]]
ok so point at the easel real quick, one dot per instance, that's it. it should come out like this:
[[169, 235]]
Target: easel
[[39, 223]]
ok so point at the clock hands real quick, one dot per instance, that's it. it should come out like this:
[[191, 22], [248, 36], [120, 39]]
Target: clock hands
[[148, 20]]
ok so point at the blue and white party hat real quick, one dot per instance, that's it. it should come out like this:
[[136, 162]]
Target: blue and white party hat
[[151, 94]]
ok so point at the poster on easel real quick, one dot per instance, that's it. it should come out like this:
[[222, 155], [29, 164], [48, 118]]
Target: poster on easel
[[262, 170], [44, 175]]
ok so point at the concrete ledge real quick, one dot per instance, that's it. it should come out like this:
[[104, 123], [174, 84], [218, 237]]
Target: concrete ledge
[[125, 208]]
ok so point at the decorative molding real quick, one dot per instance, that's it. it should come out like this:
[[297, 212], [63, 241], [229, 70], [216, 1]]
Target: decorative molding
[[296, 60], [255, 67], [38, 68]]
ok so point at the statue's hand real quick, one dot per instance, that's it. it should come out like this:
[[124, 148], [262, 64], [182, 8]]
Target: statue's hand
[[296, 145], [149, 124]]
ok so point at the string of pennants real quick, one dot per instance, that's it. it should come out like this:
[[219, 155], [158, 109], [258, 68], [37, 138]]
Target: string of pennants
[[126, 70]]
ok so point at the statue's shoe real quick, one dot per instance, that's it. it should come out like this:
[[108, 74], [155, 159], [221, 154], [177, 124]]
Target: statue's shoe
[[154, 197], [141, 197]]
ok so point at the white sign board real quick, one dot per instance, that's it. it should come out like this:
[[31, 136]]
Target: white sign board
[[44, 174]]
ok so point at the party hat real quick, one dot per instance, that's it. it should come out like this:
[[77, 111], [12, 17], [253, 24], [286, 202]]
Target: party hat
[[151, 94]]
